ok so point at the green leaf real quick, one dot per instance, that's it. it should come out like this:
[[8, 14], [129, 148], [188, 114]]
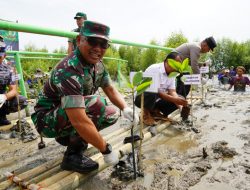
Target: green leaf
[[173, 74], [143, 87], [189, 69], [183, 78], [137, 78], [146, 79], [130, 85], [184, 65], [176, 65]]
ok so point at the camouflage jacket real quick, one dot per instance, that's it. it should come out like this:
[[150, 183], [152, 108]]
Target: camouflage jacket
[[5, 77], [70, 81], [73, 40]]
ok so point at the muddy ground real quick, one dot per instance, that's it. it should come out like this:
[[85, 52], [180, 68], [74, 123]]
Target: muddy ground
[[212, 153]]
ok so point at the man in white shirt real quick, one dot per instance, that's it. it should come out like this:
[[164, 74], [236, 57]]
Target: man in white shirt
[[166, 100]]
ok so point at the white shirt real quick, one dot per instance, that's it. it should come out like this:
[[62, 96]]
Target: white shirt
[[166, 83]]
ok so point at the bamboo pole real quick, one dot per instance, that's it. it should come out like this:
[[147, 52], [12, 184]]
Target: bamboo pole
[[69, 175], [74, 179], [31, 173]]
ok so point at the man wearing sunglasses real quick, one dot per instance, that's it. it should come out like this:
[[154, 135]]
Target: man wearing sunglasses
[[80, 18], [68, 108]]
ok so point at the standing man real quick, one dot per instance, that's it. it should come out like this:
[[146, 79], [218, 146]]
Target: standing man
[[80, 18], [166, 101], [68, 109], [193, 51], [8, 90]]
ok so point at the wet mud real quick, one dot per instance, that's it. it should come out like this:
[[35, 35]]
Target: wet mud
[[209, 151]]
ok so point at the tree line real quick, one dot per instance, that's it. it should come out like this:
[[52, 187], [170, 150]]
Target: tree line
[[227, 53]]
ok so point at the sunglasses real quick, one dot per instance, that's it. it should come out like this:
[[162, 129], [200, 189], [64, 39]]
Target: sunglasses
[[95, 42]]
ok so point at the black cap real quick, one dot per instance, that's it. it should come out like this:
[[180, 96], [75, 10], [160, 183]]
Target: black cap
[[211, 42]]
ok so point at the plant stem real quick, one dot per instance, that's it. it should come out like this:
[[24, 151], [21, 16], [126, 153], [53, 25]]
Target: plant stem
[[132, 134]]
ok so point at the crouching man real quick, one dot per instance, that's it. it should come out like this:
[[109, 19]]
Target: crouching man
[[166, 101], [8, 90], [68, 109]]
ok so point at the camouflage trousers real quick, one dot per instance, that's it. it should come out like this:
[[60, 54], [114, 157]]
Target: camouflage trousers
[[55, 123]]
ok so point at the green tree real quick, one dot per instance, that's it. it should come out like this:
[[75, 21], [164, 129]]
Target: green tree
[[149, 56], [175, 39], [132, 55]]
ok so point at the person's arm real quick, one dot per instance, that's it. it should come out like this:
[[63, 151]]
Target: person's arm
[[115, 97], [70, 47], [12, 92], [173, 97], [85, 127], [194, 58]]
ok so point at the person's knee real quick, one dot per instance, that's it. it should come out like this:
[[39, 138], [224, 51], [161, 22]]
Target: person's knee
[[14, 103]]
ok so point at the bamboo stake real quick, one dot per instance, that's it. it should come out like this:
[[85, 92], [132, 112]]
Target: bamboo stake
[[191, 110], [141, 133]]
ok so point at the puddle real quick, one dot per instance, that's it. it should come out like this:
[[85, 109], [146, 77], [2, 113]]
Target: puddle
[[176, 140]]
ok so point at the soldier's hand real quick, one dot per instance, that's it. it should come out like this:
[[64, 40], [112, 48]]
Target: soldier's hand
[[128, 114], [111, 158], [3, 98]]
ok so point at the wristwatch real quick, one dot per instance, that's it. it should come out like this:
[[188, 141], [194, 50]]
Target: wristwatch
[[108, 149]]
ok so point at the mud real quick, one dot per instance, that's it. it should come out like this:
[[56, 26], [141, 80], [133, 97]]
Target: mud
[[211, 151]]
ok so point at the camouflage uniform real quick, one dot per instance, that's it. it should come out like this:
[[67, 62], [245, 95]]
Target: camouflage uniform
[[72, 85], [73, 40], [9, 106]]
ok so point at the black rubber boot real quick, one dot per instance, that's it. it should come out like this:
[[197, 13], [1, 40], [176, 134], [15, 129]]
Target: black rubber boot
[[74, 160], [4, 120]]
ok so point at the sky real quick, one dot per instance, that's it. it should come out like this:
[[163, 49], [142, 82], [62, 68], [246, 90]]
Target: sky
[[138, 21]]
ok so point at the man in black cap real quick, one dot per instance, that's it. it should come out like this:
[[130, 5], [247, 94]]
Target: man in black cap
[[80, 18], [68, 108], [193, 51]]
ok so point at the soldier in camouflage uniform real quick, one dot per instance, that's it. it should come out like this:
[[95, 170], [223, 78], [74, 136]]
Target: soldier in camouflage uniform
[[68, 109], [8, 100], [80, 18]]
